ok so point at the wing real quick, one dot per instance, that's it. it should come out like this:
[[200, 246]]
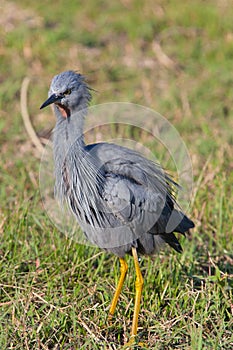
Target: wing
[[135, 189], [117, 160], [142, 208], [135, 205]]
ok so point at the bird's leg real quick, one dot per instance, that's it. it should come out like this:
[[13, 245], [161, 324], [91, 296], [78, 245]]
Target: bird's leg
[[123, 269], [138, 287]]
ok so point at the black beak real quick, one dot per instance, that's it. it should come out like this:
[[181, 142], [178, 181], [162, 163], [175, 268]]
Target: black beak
[[52, 99]]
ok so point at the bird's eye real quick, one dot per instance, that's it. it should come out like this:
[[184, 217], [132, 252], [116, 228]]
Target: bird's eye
[[67, 92]]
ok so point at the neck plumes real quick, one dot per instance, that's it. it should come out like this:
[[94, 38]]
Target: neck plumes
[[76, 171], [67, 133]]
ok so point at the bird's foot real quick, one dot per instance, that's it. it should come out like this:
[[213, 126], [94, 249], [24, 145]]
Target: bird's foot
[[133, 344], [110, 319]]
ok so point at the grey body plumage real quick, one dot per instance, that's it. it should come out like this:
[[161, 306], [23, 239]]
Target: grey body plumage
[[120, 199]]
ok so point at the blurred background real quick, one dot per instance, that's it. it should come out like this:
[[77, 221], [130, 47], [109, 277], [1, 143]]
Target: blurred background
[[174, 57]]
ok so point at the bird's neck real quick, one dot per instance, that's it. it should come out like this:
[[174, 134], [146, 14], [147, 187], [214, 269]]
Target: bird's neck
[[70, 127], [67, 132]]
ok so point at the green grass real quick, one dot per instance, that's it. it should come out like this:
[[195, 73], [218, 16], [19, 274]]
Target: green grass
[[54, 293]]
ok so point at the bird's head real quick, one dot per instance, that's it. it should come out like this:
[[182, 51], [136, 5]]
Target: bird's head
[[69, 92]]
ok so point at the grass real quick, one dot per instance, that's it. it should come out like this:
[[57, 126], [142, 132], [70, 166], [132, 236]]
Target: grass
[[55, 293]]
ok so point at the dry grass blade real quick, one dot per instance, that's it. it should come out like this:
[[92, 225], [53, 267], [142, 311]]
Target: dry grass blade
[[26, 118], [162, 57], [88, 330]]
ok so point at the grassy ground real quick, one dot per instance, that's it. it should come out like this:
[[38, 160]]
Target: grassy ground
[[175, 58]]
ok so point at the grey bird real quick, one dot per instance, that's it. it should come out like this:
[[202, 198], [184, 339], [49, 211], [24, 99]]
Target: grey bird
[[123, 202]]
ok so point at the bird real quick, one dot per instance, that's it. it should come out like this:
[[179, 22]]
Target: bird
[[123, 202]]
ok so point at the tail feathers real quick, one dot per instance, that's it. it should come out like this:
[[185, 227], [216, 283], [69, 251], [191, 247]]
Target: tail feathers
[[179, 222], [184, 225], [171, 239]]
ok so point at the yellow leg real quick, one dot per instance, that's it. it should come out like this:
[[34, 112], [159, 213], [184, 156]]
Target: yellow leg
[[123, 268], [138, 287]]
